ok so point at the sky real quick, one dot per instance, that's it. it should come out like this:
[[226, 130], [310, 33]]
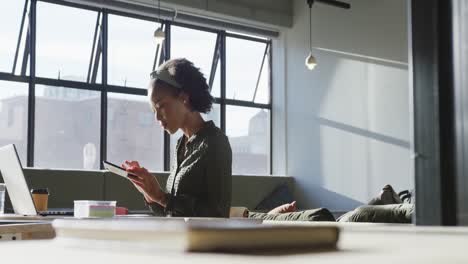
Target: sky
[[64, 43]]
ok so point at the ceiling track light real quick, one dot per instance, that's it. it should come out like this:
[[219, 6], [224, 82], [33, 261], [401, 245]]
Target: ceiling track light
[[310, 60]]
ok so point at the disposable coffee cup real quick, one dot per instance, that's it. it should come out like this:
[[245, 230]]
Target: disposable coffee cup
[[40, 198]]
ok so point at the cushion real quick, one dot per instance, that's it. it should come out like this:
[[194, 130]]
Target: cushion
[[390, 213], [281, 195], [319, 214]]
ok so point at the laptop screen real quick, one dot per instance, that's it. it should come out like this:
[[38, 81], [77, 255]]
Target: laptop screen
[[17, 187]]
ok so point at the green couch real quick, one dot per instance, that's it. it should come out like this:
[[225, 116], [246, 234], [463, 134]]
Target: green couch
[[68, 185]]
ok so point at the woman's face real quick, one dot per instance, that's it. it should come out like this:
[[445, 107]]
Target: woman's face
[[169, 110]]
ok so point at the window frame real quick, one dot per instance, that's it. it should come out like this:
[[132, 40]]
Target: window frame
[[106, 88]]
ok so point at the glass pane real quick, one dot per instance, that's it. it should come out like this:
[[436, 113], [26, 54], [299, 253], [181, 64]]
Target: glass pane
[[11, 12], [64, 41], [196, 46], [214, 115], [132, 49], [243, 65], [248, 130], [67, 131], [133, 133], [14, 116]]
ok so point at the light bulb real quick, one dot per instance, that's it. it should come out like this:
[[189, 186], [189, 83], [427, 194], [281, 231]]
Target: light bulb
[[310, 61], [159, 36]]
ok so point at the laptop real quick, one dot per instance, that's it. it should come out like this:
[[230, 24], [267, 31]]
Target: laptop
[[17, 187]]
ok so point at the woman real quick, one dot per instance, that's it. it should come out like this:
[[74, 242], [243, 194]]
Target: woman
[[200, 182]]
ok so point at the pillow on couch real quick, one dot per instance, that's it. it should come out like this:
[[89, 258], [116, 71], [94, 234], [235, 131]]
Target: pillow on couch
[[319, 214], [390, 213], [281, 195]]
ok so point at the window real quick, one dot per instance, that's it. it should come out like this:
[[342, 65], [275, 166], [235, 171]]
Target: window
[[145, 119], [65, 42], [14, 116], [65, 136], [11, 14], [198, 47], [79, 120], [132, 133], [248, 130], [132, 51], [247, 67]]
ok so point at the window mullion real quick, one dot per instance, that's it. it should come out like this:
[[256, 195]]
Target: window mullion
[[103, 140], [167, 137], [32, 74], [223, 81], [270, 87]]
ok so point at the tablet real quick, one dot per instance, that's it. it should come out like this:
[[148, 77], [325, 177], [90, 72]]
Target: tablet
[[117, 170]]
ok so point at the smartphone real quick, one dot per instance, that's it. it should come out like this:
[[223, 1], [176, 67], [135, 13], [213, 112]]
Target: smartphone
[[117, 170]]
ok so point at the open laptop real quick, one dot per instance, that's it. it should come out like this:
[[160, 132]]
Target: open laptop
[[17, 187]]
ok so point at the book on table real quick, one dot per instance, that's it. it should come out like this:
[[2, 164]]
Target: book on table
[[211, 235]]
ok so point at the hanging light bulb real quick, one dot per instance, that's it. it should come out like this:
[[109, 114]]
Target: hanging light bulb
[[310, 61], [159, 34]]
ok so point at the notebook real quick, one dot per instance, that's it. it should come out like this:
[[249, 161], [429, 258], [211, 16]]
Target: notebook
[[17, 187]]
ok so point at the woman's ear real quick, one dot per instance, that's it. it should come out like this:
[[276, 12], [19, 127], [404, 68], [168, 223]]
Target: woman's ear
[[184, 97]]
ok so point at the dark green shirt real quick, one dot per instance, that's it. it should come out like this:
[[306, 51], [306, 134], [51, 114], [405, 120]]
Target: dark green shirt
[[199, 184]]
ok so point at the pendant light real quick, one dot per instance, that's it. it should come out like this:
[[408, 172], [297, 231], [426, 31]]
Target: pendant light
[[159, 34], [310, 61]]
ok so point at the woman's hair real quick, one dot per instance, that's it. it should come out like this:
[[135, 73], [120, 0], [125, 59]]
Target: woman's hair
[[191, 81]]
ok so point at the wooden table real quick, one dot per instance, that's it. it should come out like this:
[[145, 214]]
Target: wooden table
[[376, 244]]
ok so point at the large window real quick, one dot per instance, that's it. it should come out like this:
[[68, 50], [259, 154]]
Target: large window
[[86, 99]]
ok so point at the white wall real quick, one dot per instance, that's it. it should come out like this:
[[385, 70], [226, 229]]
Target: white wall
[[347, 122]]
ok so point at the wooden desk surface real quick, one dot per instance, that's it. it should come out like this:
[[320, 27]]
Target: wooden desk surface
[[380, 244]]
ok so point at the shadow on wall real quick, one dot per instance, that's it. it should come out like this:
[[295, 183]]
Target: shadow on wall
[[365, 133], [329, 156]]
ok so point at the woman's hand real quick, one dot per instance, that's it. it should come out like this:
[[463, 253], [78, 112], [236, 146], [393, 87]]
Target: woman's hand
[[145, 182]]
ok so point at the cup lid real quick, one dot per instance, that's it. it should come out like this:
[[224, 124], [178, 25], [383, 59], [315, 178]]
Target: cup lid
[[40, 191]]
